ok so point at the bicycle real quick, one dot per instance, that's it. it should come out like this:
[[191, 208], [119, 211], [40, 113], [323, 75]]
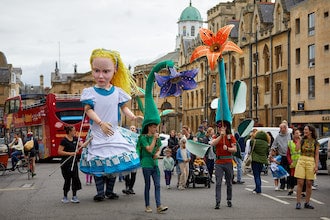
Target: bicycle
[[22, 164]]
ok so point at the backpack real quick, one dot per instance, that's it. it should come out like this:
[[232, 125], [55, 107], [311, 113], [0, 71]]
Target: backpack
[[28, 145]]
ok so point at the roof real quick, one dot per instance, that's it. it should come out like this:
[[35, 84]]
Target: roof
[[234, 31], [4, 75], [266, 11], [190, 14], [174, 56], [288, 4], [3, 60]]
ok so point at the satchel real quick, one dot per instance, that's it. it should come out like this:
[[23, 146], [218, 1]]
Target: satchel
[[247, 162], [28, 145]]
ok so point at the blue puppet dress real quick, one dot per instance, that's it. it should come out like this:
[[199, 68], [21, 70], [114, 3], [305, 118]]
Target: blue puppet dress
[[278, 171], [107, 154]]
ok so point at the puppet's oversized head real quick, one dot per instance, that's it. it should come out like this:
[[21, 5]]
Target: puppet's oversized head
[[122, 77]]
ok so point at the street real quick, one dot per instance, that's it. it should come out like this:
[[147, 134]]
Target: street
[[40, 198]]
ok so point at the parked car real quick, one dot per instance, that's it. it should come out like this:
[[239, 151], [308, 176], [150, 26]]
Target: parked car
[[3, 146], [273, 130], [164, 139], [323, 153]]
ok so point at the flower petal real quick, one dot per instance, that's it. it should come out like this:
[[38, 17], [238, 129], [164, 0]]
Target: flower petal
[[207, 36], [212, 58], [170, 89], [231, 46], [189, 73], [199, 51], [223, 34], [187, 83], [173, 73], [161, 80]]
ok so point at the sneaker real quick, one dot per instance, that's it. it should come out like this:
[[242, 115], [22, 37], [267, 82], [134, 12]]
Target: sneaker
[[240, 182], [34, 174], [290, 192], [308, 206], [298, 205], [75, 199], [131, 191], [168, 187], [276, 188], [148, 209], [112, 195], [314, 188], [229, 204], [234, 182], [181, 188], [98, 198], [161, 209], [217, 205], [125, 191], [65, 200]]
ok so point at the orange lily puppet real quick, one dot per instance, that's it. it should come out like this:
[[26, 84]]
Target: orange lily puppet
[[215, 45]]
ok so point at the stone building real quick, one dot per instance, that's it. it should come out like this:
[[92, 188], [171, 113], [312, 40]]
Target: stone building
[[310, 66], [70, 83], [9, 85]]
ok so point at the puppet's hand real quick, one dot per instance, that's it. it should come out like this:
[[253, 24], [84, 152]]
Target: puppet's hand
[[106, 128]]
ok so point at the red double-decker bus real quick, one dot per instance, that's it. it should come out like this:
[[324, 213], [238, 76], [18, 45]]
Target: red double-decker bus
[[45, 116]]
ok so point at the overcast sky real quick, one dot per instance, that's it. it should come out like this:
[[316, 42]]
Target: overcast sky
[[34, 34]]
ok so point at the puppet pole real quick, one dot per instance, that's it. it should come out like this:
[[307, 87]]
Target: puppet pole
[[75, 152], [63, 162]]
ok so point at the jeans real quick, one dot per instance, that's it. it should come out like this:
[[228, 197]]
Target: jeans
[[239, 168], [226, 168], [168, 177], [14, 156], [154, 173], [257, 169]]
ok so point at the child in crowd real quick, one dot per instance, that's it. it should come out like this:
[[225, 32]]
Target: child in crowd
[[278, 171], [183, 157], [168, 166], [200, 164], [89, 179]]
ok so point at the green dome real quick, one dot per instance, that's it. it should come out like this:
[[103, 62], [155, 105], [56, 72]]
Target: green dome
[[190, 14]]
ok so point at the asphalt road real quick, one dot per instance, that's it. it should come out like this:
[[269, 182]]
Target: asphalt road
[[40, 198]]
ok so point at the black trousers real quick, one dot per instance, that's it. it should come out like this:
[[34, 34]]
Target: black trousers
[[285, 165], [71, 178]]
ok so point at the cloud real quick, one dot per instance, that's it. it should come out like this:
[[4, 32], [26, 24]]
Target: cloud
[[35, 34]]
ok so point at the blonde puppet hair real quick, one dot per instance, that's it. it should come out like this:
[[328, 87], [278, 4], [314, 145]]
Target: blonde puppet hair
[[122, 77]]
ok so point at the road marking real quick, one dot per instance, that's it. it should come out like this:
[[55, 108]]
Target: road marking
[[270, 197], [294, 197], [16, 189], [26, 186], [264, 181], [324, 218]]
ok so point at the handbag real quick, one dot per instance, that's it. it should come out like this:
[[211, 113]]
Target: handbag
[[247, 162], [28, 145]]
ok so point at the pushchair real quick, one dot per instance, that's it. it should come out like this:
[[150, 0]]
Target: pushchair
[[198, 175]]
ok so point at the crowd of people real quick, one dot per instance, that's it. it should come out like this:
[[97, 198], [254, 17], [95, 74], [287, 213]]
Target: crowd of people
[[293, 160]]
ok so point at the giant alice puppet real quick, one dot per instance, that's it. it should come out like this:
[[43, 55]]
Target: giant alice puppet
[[109, 153]]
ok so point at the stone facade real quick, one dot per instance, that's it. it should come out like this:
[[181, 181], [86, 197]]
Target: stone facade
[[310, 69]]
